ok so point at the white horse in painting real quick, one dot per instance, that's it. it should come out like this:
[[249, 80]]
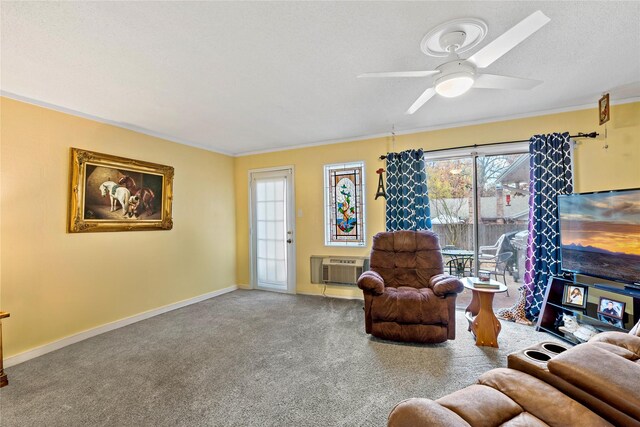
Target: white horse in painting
[[116, 193]]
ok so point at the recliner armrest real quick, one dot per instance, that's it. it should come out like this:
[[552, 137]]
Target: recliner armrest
[[370, 281], [443, 284]]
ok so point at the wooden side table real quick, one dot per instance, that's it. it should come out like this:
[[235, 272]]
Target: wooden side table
[[3, 377], [483, 323]]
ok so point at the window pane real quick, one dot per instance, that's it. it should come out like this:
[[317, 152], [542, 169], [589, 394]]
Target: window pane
[[262, 230], [270, 210], [279, 190], [279, 214], [270, 190], [260, 191], [271, 270], [279, 250], [271, 247], [262, 269]]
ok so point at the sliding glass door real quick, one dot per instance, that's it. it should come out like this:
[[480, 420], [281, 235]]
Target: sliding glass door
[[486, 231]]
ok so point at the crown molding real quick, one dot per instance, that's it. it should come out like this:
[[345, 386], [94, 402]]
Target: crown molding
[[356, 138], [127, 126], [440, 127]]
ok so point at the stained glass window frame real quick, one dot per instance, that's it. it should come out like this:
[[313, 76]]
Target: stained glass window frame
[[357, 236]]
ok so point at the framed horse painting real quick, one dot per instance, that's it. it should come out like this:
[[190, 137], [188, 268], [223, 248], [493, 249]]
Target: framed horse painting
[[111, 193]]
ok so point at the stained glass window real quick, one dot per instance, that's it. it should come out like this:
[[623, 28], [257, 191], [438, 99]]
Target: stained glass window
[[344, 215]]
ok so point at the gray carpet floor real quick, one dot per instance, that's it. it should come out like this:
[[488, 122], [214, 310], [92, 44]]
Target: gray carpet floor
[[247, 358]]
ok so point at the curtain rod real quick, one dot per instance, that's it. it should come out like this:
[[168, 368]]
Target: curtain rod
[[579, 135]]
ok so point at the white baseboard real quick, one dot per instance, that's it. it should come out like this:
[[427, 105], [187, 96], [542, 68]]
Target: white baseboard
[[313, 294], [72, 339]]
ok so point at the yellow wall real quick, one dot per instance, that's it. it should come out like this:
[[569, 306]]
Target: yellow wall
[[596, 169], [57, 284]]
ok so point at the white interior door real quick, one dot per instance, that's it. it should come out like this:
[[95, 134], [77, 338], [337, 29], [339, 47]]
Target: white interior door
[[272, 230]]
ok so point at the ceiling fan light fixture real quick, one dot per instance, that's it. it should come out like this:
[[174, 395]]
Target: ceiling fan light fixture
[[454, 85]]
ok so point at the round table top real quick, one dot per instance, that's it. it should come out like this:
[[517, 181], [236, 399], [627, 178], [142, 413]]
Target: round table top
[[468, 283]]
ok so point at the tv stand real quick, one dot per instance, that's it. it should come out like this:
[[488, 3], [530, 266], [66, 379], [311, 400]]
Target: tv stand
[[552, 308]]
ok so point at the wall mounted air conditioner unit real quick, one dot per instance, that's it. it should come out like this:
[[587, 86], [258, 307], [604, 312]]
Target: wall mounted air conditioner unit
[[344, 271]]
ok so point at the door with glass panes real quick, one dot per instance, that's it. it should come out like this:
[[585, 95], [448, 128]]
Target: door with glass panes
[[272, 230]]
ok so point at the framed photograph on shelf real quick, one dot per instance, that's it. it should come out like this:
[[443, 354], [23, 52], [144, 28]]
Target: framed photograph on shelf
[[110, 193], [610, 320], [611, 308], [575, 295]]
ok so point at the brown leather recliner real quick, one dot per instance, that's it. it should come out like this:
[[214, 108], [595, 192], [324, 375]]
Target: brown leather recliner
[[406, 295]]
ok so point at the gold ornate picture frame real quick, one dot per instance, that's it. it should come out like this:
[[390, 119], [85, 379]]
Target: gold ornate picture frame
[[111, 193]]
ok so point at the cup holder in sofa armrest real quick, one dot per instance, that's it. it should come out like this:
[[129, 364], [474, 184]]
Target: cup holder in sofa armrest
[[537, 355], [553, 348]]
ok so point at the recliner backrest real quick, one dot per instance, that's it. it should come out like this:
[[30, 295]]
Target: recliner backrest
[[406, 258]]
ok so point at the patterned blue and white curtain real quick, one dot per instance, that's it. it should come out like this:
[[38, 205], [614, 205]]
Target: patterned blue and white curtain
[[407, 197], [550, 175]]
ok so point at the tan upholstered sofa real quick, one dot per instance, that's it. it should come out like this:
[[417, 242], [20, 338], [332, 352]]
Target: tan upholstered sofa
[[592, 384], [406, 295]]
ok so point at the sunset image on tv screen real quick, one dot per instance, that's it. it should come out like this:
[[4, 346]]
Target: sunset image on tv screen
[[600, 234]]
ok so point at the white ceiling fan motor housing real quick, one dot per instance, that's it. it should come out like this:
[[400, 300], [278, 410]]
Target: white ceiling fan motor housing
[[456, 77]]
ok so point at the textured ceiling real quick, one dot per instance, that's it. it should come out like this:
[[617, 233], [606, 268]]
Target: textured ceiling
[[244, 76]]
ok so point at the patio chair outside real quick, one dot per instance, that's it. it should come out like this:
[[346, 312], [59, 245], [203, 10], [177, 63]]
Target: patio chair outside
[[499, 266]]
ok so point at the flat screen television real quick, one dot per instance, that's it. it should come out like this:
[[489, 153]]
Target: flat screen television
[[600, 234]]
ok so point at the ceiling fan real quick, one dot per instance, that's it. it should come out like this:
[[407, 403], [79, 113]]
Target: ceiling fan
[[457, 76]]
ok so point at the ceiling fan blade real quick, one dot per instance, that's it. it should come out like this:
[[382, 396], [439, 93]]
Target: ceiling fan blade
[[510, 39], [422, 99], [400, 74], [494, 81]]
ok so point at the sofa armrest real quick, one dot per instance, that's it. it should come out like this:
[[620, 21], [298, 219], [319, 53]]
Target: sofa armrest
[[423, 413], [370, 281], [443, 284]]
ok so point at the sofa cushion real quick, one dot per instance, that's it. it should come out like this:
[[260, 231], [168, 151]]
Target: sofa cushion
[[525, 419], [481, 406], [409, 305], [423, 412], [540, 399]]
